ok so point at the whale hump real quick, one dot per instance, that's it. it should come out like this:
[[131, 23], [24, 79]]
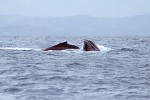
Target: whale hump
[[62, 46]]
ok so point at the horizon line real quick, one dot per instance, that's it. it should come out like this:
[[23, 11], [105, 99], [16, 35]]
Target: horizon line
[[78, 15]]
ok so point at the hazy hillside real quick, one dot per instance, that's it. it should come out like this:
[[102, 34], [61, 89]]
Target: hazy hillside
[[84, 25]]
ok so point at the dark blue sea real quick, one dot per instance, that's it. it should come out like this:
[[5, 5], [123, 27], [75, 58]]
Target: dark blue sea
[[120, 71]]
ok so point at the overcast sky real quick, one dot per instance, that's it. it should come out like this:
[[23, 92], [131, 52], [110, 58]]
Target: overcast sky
[[96, 8]]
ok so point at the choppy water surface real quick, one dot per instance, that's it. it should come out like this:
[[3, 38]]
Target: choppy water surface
[[120, 71]]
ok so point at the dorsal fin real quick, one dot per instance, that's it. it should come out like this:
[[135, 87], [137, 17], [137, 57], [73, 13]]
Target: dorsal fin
[[64, 42]]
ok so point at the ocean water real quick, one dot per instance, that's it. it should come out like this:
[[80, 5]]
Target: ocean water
[[120, 71]]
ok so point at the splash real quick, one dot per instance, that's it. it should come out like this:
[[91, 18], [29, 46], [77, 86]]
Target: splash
[[104, 49]]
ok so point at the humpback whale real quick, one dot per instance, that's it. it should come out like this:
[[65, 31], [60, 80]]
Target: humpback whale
[[62, 46], [90, 46]]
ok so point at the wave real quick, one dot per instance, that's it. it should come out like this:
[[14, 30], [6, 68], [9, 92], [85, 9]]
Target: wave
[[7, 97], [102, 48], [19, 49], [129, 49]]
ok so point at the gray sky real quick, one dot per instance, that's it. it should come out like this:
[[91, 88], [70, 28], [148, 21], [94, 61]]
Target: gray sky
[[96, 8]]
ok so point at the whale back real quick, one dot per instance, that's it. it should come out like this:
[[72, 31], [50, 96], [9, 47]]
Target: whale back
[[90, 46], [62, 46]]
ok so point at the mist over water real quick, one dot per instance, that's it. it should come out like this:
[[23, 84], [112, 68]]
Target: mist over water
[[120, 71]]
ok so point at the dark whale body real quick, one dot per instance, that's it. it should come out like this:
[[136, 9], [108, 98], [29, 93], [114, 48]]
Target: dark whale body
[[62, 46], [90, 46]]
